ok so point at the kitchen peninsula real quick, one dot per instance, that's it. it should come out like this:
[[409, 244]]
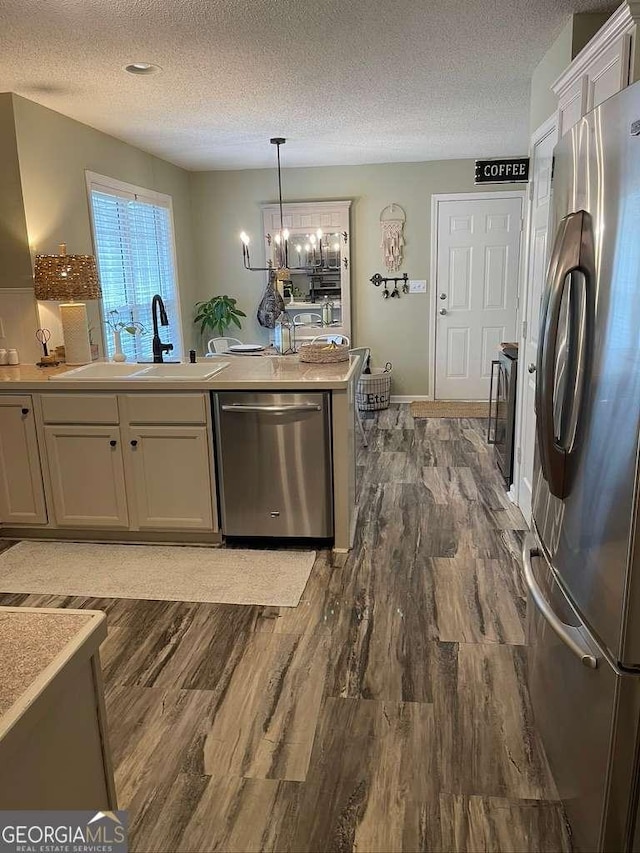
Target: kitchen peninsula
[[127, 452]]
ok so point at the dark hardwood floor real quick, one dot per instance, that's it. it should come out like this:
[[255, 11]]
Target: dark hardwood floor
[[387, 712]]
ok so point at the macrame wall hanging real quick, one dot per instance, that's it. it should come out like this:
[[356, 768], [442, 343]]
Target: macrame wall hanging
[[392, 219]]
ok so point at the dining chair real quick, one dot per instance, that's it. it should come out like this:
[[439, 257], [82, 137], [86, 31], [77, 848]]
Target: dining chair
[[307, 319], [218, 345], [331, 338], [363, 354]]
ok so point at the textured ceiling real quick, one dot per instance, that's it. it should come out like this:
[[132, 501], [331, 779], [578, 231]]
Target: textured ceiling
[[346, 81]]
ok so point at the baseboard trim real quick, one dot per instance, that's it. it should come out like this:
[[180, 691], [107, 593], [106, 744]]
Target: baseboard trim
[[409, 398], [148, 537]]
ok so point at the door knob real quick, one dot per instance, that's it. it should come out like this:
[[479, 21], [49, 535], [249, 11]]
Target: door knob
[[443, 296], [531, 368], [443, 311]]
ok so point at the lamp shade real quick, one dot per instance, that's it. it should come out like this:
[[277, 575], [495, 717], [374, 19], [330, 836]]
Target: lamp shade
[[66, 278]]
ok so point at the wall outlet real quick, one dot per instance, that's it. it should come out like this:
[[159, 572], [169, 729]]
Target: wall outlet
[[417, 285]]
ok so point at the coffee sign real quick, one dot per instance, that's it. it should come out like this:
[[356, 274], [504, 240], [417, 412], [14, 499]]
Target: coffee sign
[[510, 171]]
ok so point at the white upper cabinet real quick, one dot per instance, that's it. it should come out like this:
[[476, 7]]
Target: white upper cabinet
[[607, 64]]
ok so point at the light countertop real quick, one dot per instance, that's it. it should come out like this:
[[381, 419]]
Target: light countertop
[[34, 643], [267, 373]]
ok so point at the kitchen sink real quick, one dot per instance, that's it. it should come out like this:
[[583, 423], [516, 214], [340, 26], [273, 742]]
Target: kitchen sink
[[180, 371], [108, 371], [100, 371]]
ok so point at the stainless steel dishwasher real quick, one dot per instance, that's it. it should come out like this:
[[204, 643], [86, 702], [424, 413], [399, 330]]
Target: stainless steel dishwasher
[[274, 464]]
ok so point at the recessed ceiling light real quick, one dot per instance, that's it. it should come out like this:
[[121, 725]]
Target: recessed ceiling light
[[142, 68]]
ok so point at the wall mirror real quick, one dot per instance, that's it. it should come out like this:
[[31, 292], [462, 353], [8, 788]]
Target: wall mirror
[[318, 293]]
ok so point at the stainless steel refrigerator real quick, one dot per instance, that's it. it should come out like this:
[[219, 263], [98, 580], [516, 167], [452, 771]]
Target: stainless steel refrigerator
[[582, 559]]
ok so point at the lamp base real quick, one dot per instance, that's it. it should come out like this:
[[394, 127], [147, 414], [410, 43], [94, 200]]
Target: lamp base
[[75, 330]]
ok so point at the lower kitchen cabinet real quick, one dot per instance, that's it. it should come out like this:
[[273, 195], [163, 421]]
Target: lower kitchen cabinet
[[170, 477], [21, 490], [87, 476]]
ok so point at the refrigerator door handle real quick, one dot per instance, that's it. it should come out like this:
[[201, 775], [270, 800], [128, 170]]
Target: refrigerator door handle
[[582, 338], [573, 252], [570, 636]]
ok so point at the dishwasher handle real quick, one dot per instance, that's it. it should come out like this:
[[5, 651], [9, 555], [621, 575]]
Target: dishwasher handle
[[273, 410]]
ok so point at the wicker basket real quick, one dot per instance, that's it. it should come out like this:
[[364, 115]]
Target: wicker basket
[[374, 390], [324, 353]]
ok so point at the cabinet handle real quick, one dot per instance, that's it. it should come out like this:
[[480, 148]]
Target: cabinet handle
[[134, 442], [113, 442], [25, 411]]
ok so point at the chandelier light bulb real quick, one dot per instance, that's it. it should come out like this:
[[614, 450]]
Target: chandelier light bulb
[[298, 248], [245, 238], [277, 239], [312, 239], [285, 234], [319, 233]]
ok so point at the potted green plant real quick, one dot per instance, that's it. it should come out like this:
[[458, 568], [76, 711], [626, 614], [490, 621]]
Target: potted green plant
[[217, 314], [118, 326]]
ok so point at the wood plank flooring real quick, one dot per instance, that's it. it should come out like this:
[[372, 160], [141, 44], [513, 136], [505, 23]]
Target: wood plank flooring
[[387, 712]]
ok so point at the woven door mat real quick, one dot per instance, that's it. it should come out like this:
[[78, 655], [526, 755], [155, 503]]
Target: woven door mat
[[449, 409]]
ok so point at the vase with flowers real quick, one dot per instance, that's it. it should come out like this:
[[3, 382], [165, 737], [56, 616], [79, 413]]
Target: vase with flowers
[[118, 326]]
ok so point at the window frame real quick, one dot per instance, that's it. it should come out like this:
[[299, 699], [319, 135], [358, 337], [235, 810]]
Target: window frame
[[114, 186]]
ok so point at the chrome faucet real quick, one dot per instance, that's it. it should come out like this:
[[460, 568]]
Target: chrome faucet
[[158, 347]]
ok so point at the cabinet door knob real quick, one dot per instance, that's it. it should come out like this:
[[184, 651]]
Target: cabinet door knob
[[113, 442], [25, 411], [134, 442]]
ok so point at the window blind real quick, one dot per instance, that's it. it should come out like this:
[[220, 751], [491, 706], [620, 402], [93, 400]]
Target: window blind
[[134, 250]]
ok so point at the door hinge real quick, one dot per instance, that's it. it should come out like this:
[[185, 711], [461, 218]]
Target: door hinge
[[524, 330], [518, 454], [531, 185]]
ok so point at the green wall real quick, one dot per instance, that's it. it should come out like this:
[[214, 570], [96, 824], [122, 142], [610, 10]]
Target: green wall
[[15, 269], [225, 203], [54, 151]]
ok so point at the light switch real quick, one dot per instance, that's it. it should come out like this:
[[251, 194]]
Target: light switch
[[417, 285]]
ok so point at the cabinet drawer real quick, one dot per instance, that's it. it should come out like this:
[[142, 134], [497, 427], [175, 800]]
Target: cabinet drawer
[[166, 408], [80, 408]]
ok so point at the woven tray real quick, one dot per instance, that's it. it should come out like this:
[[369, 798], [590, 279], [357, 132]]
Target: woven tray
[[323, 353]]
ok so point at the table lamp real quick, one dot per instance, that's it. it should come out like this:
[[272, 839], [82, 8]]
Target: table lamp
[[69, 279]]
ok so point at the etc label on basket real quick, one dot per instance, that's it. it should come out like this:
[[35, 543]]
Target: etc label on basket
[[63, 832], [512, 170]]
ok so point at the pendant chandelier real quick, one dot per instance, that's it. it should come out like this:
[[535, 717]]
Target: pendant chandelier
[[315, 251]]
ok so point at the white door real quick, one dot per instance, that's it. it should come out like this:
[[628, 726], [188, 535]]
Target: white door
[[478, 249], [538, 227]]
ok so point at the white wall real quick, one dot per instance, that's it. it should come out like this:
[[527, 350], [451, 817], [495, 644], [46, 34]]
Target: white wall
[[225, 203]]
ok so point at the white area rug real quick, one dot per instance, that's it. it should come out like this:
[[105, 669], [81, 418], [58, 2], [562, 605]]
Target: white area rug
[[165, 572]]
